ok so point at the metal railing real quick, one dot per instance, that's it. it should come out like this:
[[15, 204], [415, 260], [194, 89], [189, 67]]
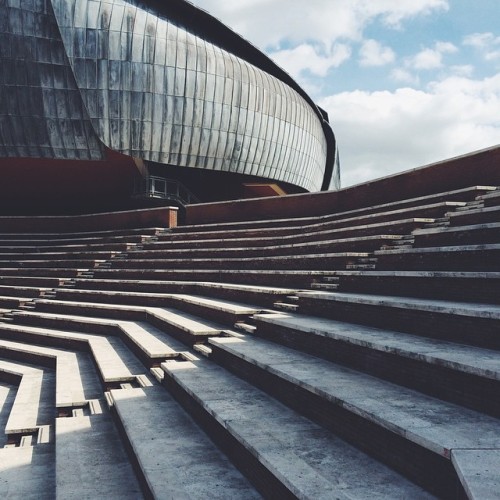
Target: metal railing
[[164, 189]]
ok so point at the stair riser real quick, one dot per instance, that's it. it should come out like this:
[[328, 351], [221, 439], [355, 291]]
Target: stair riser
[[90, 328], [474, 391], [224, 240], [480, 260], [319, 264], [481, 332], [245, 296], [457, 238], [467, 219], [352, 246], [58, 343], [26, 357], [463, 290], [428, 469], [299, 280], [222, 316]]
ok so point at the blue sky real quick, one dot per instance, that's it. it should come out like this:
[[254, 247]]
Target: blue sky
[[405, 82]]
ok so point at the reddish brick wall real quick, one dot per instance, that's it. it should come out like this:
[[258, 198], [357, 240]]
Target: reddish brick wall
[[154, 217], [480, 168]]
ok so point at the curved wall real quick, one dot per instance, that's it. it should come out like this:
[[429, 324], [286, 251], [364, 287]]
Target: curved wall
[[146, 86]]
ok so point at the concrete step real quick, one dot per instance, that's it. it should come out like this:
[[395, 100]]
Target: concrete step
[[90, 457], [320, 262], [456, 236], [28, 472], [42, 272], [480, 216], [456, 286], [491, 199], [262, 295], [23, 291], [84, 235], [256, 277], [73, 388], [41, 263], [191, 466], [432, 211], [8, 302], [390, 422], [113, 360], [244, 238], [148, 343], [185, 327], [33, 281], [473, 324], [360, 244], [284, 454], [431, 366], [23, 415], [450, 258], [91, 247], [21, 257], [461, 195], [224, 311], [8, 387]]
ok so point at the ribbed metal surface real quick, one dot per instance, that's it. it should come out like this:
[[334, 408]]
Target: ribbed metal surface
[[41, 110], [152, 90]]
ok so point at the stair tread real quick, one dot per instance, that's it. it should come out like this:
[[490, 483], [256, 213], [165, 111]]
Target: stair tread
[[490, 311], [151, 340], [87, 450], [468, 359], [308, 459], [436, 425], [189, 460], [114, 361]]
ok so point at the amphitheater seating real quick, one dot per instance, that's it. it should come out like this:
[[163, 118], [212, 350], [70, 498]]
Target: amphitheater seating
[[354, 354]]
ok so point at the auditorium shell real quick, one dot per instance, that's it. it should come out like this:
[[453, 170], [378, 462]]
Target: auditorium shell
[[95, 95]]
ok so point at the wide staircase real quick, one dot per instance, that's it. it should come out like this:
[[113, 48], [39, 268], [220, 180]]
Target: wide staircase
[[349, 355]]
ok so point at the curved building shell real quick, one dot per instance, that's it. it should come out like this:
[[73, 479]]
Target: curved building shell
[[163, 82]]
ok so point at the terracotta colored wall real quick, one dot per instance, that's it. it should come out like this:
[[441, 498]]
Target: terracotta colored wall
[[479, 168], [155, 217]]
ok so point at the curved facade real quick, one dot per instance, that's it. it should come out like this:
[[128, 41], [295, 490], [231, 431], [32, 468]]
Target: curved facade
[[167, 84]]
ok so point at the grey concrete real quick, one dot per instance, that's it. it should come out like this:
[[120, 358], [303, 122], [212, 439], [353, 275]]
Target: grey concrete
[[153, 342], [27, 473], [24, 412], [114, 361], [479, 472], [193, 325], [489, 311], [433, 250], [74, 372], [468, 359], [433, 424], [306, 458], [91, 462], [7, 398], [176, 457]]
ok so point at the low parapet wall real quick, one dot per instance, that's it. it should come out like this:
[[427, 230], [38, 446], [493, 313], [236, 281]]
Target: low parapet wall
[[155, 217], [478, 168]]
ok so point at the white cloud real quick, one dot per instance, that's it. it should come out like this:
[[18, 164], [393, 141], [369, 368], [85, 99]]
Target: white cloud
[[268, 22], [431, 58], [373, 53], [487, 43], [380, 133], [311, 58], [404, 76]]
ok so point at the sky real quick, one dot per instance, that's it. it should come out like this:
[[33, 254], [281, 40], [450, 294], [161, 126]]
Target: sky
[[405, 82]]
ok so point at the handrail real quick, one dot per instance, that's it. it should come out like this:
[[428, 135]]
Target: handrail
[[153, 186]]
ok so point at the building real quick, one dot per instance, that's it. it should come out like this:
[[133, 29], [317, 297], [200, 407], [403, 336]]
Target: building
[[99, 96]]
